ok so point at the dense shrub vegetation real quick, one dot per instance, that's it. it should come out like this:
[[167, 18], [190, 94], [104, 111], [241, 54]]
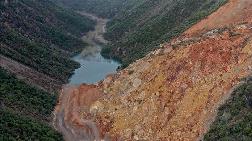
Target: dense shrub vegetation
[[35, 55], [25, 111], [18, 127], [234, 119], [42, 35]]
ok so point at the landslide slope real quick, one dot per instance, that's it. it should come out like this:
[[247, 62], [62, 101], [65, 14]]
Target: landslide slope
[[173, 96], [173, 93]]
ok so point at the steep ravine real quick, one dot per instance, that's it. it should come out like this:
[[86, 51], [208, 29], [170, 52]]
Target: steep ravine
[[173, 93]]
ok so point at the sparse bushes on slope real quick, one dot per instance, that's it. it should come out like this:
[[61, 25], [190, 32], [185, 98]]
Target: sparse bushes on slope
[[234, 119]]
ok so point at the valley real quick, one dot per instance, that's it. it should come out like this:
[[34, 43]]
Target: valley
[[174, 92], [126, 70]]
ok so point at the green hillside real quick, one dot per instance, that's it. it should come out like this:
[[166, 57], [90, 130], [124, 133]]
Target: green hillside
[[25, 111], [42, 35], [136, 31]]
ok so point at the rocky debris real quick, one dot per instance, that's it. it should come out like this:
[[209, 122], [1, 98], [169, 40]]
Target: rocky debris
[[136, 82], [96, 107]]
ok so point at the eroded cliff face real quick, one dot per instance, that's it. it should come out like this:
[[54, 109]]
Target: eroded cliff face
[[173, 93]]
